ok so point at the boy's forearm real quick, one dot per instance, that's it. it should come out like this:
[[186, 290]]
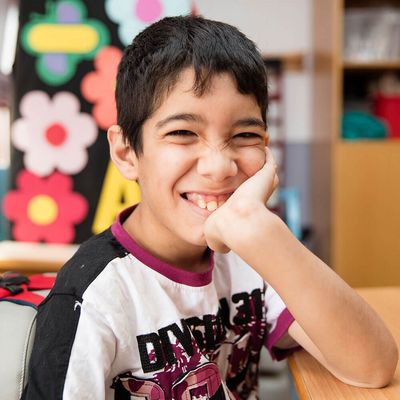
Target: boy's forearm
[[351, 337]]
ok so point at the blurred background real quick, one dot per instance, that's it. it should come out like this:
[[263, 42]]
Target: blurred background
[[334, 122]]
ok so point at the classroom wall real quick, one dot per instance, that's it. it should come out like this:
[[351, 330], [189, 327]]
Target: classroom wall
[[3, 8]]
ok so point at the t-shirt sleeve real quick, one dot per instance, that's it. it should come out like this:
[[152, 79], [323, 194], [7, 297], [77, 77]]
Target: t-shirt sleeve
[[72, 353], [279, 319]]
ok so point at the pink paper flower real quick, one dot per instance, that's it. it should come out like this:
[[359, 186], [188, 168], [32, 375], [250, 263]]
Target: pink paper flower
[[132, 16], [53, 133], [98, 87], [44, 209]]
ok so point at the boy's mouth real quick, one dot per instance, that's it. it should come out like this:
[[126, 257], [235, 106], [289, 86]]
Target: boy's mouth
[[206, 201]]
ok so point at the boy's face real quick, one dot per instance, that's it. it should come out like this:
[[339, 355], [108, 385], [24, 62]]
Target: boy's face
[[196, 152]]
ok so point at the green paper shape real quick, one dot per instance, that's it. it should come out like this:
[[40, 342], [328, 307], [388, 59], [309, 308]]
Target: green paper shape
[[73, 59]]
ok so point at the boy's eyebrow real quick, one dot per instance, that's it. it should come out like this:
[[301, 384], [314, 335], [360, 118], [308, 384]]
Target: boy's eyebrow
[[244, 122], [250, 122], [180, 117]]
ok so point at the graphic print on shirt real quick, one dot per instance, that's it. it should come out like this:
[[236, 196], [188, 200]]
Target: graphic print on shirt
[[208, 357], [201, 383]]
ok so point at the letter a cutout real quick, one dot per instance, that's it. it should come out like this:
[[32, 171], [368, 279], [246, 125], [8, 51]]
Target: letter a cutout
[[116, 194]]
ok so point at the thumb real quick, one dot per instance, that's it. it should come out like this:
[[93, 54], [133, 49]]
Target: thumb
[[263, 182]]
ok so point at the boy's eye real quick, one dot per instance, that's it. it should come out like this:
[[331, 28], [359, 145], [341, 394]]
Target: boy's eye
[[181, 136], [249, 137], [181, 133]]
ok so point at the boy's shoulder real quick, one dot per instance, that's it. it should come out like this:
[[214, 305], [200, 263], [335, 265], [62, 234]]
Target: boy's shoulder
[[91, 258]]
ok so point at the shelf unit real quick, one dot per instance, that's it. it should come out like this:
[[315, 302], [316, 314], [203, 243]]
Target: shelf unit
[[356, 198], [373, 65]]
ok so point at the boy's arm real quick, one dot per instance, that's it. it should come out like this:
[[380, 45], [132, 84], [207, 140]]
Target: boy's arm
[[333, 323]]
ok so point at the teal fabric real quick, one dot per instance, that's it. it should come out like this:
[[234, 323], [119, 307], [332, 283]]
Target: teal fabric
[[360, 125], [291, 198]]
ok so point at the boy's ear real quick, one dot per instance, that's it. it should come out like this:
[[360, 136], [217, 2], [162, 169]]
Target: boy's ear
[[122, 154]]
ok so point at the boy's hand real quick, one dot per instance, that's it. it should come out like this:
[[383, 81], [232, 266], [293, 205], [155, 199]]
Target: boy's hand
[[240, 210]]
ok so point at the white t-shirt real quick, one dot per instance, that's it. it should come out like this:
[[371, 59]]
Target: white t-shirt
[[122, 324]]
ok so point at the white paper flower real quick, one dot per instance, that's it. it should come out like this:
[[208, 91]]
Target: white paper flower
[[133, 16], [53, 133]]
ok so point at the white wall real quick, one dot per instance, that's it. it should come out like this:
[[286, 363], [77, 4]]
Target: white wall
[[276, 26], [8, 34]]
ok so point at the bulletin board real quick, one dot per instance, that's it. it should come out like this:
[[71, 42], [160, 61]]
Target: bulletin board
[[63, 186]]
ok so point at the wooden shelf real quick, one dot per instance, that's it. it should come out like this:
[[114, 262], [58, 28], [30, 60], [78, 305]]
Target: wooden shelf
[[366, 200], [371, 65], [357, 211], [379, 144], [290, 61]]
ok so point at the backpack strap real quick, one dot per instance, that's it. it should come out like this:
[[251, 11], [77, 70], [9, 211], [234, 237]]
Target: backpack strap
[[20, 289]]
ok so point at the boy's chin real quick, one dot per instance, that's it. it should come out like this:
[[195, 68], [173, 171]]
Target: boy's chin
[[202, 243], [199, 241]]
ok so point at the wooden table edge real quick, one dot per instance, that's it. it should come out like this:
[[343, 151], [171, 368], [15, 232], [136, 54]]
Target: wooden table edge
[[294, 360], [30, 266], [299, 385]]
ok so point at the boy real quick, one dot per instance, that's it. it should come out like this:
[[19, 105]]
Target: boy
[[156, 307]]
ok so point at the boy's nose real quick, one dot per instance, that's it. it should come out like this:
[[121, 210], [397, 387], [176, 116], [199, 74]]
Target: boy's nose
[[217, 165]]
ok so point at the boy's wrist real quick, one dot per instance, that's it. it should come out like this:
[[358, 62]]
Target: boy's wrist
[[245, 222]]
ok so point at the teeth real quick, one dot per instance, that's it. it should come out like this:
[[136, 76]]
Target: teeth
[[212, 205], [201, 203], [209, 202]]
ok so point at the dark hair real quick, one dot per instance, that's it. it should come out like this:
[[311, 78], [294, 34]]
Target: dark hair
[[151, 65]]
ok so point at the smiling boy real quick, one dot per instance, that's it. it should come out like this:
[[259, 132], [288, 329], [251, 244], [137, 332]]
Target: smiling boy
[[196, 153], [177, 298]]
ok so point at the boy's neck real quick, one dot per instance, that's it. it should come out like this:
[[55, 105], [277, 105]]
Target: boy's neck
[[182, 255]]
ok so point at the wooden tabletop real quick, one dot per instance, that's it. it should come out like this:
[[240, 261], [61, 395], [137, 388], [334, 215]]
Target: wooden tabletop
[[30, 258], [313, 381]]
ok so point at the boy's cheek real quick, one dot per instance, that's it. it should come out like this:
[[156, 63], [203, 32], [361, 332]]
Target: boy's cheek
[[257, 161]]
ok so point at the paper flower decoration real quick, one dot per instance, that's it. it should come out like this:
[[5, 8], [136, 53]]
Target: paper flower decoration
[[53, 133], [133, 16], [62, 38], [44, 209], [98, 87]]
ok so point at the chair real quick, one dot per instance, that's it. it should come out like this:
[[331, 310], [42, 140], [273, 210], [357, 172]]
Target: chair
[[17, 331], [17, 321]]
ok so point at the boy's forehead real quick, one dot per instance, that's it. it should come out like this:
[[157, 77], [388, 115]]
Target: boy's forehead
[[186, 84], [221, 95], [221, 103]]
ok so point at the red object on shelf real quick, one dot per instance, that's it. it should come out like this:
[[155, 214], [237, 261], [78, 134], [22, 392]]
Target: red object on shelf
[[388, 108]]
